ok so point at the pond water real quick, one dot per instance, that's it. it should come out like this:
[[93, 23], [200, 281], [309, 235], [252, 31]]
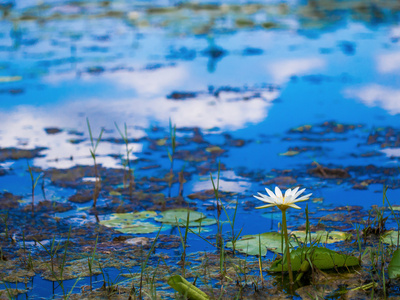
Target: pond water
[[286, 93]]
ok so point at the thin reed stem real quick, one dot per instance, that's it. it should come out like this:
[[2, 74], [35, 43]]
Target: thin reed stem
[[285, 233]]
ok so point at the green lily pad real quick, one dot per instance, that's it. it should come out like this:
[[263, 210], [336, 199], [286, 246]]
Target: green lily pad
[[324, 237], [132, 222], [289, 153], [115, 193], [10, 78], [179, 215], [394, 265], [322, 258], [187, 289], [390, 237], [249, 244], [141, 227], [127, 217]]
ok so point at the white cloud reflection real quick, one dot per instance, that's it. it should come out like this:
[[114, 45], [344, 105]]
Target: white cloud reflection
[[377, 95], [391, 152], [144, 82], [228, 182], [150, 82], [281, 71], [24, 126], [388, 63]]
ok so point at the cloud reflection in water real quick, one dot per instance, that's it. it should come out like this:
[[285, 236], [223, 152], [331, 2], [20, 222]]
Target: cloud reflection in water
[[377, 95], [229, 111]]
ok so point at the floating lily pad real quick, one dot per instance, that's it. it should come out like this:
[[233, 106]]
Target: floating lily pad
[[249, 244], [390, 237], [10, 78], [214, 149], [115, 193], [140, 227], [289, 153], [187, 289], [179, 215], [132, 222], [127, 217], [394, 265], [321, 258], [324, 237]]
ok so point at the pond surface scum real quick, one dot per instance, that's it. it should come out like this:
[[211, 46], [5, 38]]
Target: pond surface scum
[[134, 134]]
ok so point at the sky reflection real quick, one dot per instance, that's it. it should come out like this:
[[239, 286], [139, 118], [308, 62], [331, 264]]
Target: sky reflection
[[263, 80]]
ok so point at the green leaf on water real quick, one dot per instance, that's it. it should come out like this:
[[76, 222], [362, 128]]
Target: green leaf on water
[[10, 78], [179, 215], [139, 227], [186, 289], [132, 222], [324, 237], [249, 244], [394, 265], [289, 153], [321, 258], [390, 237], [115, 193]]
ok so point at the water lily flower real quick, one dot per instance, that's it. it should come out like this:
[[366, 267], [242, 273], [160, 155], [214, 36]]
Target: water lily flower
[[283, 202]]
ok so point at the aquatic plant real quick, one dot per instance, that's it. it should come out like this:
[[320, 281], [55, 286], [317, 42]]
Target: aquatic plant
[[57, 273], [218, 241], [183, 242], [171, 153], [144, 264], [186, 289], [126, 163], [97, 185], [90, 260], [283, 202], [34, 183], [5, 219]]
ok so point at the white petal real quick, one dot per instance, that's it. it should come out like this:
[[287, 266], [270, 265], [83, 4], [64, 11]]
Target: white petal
[[267, 200], [278, 192], [289, 199], [270, 193], [288, 192], [294, 206], [265, 206], [299, 193], [295, 190], [303, 198]]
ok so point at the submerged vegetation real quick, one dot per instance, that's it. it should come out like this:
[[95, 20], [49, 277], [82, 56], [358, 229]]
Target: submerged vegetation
[[165, 210], [139, 245]]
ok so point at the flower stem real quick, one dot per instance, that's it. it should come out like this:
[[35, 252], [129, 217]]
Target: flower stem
[[284, 227]]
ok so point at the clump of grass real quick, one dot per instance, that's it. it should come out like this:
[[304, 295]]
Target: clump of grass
[[5, 221], [219, 241], [127, 163], [91, 261], [143, 267], [58, 276], [110, 285], [94, 145], [183, 243], [34, 183], [181, 180], [171, 154]]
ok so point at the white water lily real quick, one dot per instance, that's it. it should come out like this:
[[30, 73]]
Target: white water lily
[[283, 202]]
